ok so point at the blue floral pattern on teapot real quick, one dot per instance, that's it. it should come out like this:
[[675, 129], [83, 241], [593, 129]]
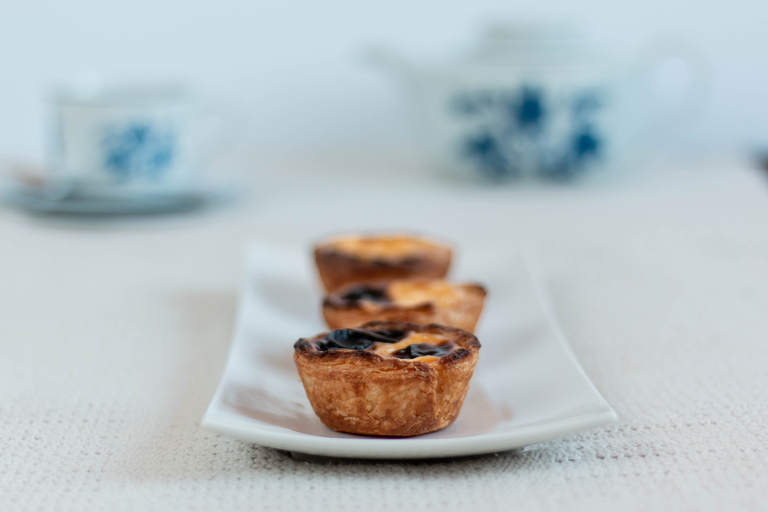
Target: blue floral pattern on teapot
[[507, 133]]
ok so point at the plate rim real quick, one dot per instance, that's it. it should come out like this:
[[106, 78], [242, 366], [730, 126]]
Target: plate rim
[[410, 447]]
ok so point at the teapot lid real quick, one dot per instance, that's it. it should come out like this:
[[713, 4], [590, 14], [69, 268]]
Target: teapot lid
[[506, 46], [528, 31], [531, 44]]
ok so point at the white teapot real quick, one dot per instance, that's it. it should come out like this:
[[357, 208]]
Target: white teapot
[[531, 100]]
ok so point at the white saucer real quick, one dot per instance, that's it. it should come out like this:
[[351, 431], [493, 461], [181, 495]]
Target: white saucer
[[73, 201], [528, 386]]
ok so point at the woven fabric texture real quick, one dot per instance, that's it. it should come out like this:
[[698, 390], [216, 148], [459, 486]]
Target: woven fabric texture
[[112, 342]]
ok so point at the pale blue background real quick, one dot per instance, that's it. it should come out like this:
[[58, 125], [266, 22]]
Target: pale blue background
[[295, 66]]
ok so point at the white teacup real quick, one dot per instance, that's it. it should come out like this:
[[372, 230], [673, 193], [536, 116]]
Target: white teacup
[[115, 137]]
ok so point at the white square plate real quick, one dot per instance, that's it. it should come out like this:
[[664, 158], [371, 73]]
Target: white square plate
[[528, 387]]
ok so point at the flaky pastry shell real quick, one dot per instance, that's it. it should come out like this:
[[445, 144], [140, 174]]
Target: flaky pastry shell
[[353, 259], [420, 301], [362, 392]]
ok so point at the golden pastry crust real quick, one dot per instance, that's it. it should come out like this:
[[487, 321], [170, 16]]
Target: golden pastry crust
[[357, 258], [365, 392], [421, 301]]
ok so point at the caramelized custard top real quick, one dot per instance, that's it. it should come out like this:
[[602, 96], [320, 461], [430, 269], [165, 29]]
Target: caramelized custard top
[[381, 247], [426, 347], [409, 293]]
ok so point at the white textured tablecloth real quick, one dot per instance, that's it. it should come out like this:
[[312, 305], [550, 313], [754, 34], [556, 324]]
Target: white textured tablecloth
[[114, 335]]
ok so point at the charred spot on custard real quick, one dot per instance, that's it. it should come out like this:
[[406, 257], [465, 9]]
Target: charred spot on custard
[[361, 339], [424, 349], [358, 339], [368, 292]]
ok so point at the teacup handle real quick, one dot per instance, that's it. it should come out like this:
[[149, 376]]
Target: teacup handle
[[219, 125], [674, 76]]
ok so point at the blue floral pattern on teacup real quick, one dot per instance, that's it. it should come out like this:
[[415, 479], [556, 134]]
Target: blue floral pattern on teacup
[[511, 132], [138, 150]]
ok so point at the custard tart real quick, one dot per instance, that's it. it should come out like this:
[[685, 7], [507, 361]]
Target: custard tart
[[387, 378], [358, 258], [418, 300]]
